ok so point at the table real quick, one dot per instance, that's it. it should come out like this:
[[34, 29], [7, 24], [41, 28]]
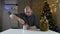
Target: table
[[20, 31]]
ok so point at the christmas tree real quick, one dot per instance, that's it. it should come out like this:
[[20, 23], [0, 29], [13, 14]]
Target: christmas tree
[[46, 12]]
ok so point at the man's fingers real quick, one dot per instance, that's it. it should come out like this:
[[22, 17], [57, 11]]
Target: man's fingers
[[21, 21]]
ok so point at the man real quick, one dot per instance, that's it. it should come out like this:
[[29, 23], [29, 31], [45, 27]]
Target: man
[[26, 18]]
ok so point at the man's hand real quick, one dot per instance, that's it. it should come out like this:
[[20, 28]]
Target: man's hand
[[27, 26], [21, 21], [32, 27]]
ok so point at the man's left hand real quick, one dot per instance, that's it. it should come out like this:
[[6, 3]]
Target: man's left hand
[[32, 27]]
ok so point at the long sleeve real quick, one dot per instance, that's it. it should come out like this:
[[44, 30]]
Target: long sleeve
[[35, 21]]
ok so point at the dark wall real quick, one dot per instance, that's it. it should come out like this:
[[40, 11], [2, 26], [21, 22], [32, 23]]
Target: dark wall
[[1, 10]]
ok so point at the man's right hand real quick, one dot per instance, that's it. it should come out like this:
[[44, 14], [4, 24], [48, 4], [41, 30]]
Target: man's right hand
[[21, 21]]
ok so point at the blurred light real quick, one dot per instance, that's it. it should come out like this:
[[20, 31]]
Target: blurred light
[[7, 7], [57, 1]]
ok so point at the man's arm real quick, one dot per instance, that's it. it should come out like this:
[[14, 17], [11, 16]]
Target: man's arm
[[12, 16]]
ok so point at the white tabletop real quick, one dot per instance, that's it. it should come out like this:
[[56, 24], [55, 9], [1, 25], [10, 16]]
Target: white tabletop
[[21, 31]]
